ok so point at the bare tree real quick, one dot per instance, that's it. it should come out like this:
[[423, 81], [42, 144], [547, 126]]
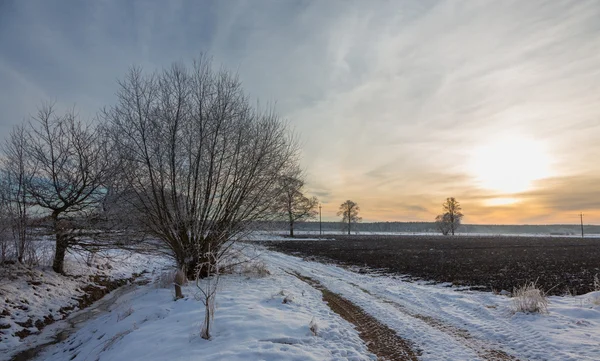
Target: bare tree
[[293, 203], [199, 163], [450, 220], [5, 222], [16, 175], [442, 224], [349, 212], [69, 168], [208, 274]]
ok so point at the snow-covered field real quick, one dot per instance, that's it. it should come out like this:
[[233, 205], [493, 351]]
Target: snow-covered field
[[253, 323]]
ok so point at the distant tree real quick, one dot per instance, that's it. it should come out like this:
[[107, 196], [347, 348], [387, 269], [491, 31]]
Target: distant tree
[[349, 212], [449, 221], [442, 224], [292, 203]]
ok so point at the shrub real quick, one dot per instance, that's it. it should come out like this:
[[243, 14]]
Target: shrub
[[530, 299]]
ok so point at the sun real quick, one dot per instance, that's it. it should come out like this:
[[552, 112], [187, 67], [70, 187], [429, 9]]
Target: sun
[[509, 165]]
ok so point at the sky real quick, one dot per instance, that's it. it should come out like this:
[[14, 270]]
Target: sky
[[398, 104]]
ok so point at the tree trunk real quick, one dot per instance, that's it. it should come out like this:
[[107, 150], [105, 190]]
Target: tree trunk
[[190, 268], [348, 224], [178, 282], [205, 332], [292, 229], [62, 243]]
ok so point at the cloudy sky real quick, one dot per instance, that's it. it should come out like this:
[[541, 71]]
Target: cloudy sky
[[399, 104]]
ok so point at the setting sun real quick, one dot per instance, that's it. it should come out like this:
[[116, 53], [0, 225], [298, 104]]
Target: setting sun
[[510, 164]]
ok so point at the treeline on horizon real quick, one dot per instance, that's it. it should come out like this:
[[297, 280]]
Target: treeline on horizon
[[430, 227]]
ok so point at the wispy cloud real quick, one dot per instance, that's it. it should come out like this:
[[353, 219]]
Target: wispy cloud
[[391, 98]]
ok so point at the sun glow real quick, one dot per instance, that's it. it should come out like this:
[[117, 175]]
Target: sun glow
[[501, 201], [509, 165]]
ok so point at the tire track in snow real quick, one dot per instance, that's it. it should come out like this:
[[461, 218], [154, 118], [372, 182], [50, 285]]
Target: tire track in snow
[[380, 339], [425, 329]]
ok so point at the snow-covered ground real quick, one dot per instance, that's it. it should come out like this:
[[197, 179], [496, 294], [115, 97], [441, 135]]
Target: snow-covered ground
[[31, 297], [451, 324], [253, 323]]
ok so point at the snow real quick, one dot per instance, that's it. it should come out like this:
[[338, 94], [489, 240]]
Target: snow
[[38, 292], [570, 330], [253, 323]]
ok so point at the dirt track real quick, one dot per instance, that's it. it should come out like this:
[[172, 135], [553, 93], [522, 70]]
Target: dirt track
[[380, 339]]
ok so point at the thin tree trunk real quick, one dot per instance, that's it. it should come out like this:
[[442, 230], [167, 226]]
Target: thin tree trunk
[[348, 222], [292, 229], [178, 282], [59, 255]]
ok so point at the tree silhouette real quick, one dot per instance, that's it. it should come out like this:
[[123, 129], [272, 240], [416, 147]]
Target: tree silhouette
[[349, 212]]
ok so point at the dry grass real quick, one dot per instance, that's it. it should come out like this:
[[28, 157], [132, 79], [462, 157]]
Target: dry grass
[[255, 269], [530, 299], [313, 326], [109, 343], [595, 298], [123, 315], [165, 279]]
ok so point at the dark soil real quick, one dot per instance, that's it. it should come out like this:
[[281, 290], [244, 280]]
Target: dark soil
[[559, 265]]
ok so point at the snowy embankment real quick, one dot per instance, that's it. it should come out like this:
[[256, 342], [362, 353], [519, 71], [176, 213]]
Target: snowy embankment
[[34, 298], [252, 322]]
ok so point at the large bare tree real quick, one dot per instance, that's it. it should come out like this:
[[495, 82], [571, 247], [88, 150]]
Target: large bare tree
[[199, 162], [292, 202], [349, 212], [69, 167], [450, 219]]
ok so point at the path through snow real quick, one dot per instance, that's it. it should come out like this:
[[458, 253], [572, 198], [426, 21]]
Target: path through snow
[[447, 324]]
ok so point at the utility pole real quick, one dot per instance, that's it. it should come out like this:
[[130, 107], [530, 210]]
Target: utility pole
[[320, 228], [581, 217]]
